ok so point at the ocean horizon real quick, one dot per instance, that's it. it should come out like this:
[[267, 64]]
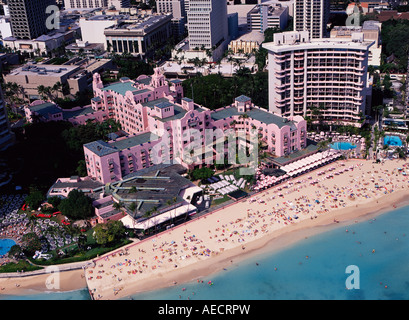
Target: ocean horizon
[[312, 268]]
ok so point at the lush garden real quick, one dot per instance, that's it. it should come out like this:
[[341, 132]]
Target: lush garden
[[61, 236]]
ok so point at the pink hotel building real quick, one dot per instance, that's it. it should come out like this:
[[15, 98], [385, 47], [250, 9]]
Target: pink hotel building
[[151, 106]]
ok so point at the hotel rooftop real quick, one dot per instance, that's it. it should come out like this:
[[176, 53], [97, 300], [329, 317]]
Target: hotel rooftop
[[102, 148]]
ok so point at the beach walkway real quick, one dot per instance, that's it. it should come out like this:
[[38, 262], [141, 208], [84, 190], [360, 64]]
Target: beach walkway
[[47, 269]]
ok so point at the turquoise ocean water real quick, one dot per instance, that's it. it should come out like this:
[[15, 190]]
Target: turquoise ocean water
[[379, 247]]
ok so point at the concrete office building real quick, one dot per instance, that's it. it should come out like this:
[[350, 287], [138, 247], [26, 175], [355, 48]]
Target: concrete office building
[[264, 16], [93, 4], [312, 16], [207, 23], [139, 36], [77, 76], [177, 9], [28, 18], [92, 28], [330, 74]]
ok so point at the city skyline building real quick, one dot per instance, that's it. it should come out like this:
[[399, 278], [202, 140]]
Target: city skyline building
[[267, 15], [177, 9], [93, 4], [312, 16], [328, 74], [207, 23], [28, 18], [140, 36]]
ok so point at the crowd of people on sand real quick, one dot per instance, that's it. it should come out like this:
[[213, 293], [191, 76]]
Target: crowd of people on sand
[[267, 211]]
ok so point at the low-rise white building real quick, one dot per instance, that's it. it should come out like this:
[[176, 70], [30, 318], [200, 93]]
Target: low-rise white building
[[5, 27], [44, 44], [92, 28]]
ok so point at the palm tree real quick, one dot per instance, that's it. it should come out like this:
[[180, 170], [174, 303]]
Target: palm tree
[[237, 63], [196, 62], [133, 207], [400, 152], [117, 205], [231, 60], [377, 109], [43, 91], [57, 87], [209, 53], [22, 91], [323, 145]]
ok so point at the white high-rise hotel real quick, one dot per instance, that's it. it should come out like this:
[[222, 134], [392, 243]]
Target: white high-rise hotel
[[312, 16], [207, 23], [326, 73]]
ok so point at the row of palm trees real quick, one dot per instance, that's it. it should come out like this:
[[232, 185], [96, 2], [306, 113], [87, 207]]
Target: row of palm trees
[[48, 92], [16, 94]]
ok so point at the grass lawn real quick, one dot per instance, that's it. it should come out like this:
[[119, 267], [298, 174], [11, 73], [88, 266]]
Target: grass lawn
[[19, 266], [219, 201]]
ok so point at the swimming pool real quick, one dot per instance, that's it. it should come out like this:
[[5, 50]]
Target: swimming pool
[[5, 245], [392, 141], [342, 146]]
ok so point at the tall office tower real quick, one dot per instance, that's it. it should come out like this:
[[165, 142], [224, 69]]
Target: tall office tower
[[176, 7], [93, 4], [207, 23], [312, 16], [28, 17], [329, 75], [85, 4], [6, 136]]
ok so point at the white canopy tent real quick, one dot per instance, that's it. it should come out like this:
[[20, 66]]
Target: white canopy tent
[[129, 222]]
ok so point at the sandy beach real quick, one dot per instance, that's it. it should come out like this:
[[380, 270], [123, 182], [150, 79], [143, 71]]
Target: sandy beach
[[342, 192], [68, 281], [209, 243]]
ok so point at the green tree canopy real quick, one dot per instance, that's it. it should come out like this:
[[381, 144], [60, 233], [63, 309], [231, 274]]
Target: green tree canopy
[[30, 243], [395, 41], [202, 173], [54, 201], [77, 206], [109, 232], [15, 251], [214, 91], [34, 199]]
